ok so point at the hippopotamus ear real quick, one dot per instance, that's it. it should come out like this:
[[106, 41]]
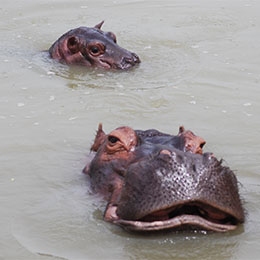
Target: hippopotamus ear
[[192, 142], [99, 139], [181, 129], [99, 25], [73, 44]]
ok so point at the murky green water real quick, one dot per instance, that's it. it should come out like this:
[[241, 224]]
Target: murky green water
[[200, 68]]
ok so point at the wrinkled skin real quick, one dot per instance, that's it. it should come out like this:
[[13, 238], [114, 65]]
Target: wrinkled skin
[[91, 47], [155, 181]]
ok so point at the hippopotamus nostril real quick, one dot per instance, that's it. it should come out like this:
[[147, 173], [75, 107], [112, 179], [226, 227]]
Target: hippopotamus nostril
[[132, 60], [136, 58], [128, 60]]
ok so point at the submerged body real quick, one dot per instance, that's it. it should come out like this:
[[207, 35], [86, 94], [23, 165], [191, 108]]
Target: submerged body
[[92, 47], [156, 181]]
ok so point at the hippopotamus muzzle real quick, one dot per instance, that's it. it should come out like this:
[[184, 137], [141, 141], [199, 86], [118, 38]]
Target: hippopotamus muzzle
[[92, 47], [158, 181], [172, 189]]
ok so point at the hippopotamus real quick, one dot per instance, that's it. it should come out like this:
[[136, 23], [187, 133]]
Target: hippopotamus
[[156, 181], [92, 47]]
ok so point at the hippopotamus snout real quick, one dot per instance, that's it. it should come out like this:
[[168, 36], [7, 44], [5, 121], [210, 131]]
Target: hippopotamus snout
[[128, 61], [173, 188], [91, 47], [133, 59]]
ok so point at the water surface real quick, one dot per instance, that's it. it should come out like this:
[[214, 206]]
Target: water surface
[[200, 68]]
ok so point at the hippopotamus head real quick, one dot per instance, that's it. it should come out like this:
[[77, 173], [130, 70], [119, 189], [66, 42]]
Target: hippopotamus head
[[156, 181], [92, 47]]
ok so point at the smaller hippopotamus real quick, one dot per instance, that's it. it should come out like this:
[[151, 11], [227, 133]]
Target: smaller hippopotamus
[[156, 181], [92, 47]]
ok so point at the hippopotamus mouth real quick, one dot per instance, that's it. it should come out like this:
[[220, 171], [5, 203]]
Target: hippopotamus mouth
[[92, 47], [193, 215], [166, 182]]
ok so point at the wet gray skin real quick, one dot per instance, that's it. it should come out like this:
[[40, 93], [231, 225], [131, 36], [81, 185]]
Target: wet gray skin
[[92, 47], [175, 189]]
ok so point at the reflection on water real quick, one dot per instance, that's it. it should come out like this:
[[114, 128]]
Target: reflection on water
[[200, 69]]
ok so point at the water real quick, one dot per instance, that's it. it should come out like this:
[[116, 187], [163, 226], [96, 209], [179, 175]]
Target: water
[[200, 68]]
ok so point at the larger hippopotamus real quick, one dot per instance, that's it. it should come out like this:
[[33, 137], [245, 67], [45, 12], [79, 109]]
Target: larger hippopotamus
[[156, 181], [92, 47]]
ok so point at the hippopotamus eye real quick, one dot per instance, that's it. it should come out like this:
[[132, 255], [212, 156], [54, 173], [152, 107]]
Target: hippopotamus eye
[[96, 49], [113, 139]]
